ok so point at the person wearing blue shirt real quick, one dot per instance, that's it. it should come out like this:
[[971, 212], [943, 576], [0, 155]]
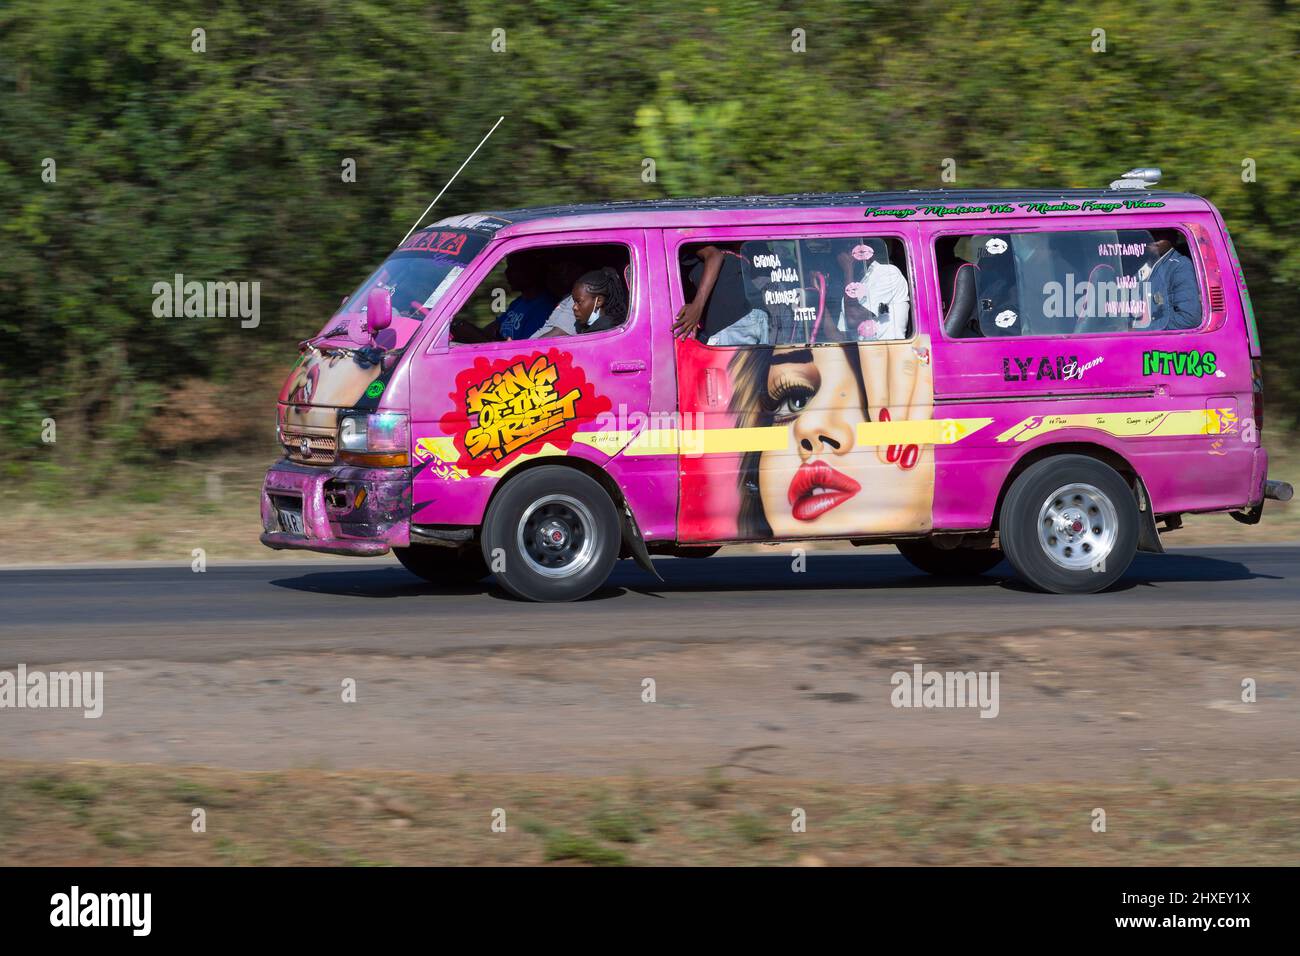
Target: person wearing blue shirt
[[525, 315], [1172, 293]]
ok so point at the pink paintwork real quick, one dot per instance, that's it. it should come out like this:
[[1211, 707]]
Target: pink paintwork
[[637, 377]]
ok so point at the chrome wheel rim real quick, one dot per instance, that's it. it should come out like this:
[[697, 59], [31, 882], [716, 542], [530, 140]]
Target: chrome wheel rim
[[1077, 527], [557, 536]]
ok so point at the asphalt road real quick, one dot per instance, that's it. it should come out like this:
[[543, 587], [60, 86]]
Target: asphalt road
[[246, 611]]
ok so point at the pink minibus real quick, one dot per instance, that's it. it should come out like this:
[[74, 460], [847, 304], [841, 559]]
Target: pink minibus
[[1050, 377]]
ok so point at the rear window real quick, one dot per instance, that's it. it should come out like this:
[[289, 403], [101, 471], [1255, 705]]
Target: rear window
[[1068, 283]]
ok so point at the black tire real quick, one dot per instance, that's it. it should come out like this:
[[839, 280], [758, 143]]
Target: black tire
[[1060, 493], [949, 563], [556, 533], [443, 565]]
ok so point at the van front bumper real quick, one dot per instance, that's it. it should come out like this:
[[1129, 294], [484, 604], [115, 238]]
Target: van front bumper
[[343, 509]]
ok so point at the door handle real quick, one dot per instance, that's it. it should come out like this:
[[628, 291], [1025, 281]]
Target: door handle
[[625, 368]]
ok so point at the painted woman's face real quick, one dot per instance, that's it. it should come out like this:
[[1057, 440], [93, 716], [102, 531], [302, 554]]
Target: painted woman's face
[[826, 482], [815, 392], [322, 384]]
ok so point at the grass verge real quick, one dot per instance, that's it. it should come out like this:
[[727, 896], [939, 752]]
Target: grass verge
[[115, 815]]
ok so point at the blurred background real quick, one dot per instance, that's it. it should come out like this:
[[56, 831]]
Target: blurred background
[[227, 165]]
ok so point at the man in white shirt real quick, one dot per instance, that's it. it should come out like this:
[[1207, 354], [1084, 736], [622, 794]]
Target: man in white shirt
[[883, 304], [561, 321]]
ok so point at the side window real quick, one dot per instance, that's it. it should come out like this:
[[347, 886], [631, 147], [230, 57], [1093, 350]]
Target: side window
[[797, 291], [1067, 283], [548, 291]]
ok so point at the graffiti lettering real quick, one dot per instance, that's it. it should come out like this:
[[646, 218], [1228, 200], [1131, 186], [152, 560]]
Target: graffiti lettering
[[1193, 363], [1060, 368], [516, 406]]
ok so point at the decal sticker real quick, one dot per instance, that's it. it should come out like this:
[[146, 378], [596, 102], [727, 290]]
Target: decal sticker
[[375, 389], [995, 247], [1005, 319], [505, 406], [1004, 209], [862, 252], [1193, 363], [1073, 369], [447, 243], [1060, 368], [437, 455]]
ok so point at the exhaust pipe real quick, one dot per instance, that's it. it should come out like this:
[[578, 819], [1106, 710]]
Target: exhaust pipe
[[1278, 490]]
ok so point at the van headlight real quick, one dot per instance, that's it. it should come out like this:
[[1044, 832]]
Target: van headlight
[[381, 439]]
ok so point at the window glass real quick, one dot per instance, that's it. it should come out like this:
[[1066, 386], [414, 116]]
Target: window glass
[[797, 291], [1067, 283], [548, 292]]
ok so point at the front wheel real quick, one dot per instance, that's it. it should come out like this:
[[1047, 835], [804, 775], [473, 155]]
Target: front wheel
[[552, 534], [949, 563], [1069, 525]]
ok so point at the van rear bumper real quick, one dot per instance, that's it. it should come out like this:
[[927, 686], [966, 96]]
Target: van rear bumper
[[343, 509]]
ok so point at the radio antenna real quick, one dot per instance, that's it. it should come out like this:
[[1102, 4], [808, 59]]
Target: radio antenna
[[452, 180]]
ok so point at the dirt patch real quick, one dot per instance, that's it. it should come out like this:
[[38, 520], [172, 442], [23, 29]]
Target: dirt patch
[[1111, 708]]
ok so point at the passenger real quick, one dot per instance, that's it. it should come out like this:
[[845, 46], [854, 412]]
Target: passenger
[[560, 280], [877, 302], [715, 286], [1172, 294], [599, 301], [752, 328], [525, 315]]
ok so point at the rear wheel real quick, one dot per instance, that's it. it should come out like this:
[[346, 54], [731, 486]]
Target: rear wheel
[[552, 534], [443, 565], [950, 562], [1069, 525]]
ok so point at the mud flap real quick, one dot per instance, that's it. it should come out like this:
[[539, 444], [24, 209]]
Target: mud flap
[[635, 543], [1148, 534]]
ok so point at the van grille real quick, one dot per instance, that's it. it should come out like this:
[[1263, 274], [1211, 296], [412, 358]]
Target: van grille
[[318, 450]]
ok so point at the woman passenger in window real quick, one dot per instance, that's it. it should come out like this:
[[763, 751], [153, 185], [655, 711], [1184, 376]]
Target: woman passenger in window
[[599, 301]]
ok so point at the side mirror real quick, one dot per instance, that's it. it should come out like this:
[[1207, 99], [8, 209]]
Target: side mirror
[[379, 310]]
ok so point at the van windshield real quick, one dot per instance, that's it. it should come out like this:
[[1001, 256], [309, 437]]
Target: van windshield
[[417, 275]]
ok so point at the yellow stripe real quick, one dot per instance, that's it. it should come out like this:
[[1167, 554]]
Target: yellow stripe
[[1146, 424], [924, 431]]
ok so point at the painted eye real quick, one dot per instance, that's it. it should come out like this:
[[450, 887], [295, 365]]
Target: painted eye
[[791, 402]]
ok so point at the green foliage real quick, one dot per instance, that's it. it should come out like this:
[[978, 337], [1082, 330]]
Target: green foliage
[[225, 164]]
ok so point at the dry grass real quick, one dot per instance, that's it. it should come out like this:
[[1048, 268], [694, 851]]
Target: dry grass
[[92, 814]]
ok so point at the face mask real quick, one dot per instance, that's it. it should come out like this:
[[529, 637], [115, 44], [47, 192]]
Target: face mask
[[595, 314]]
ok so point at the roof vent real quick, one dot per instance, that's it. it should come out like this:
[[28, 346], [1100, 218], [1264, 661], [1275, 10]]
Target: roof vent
[[1139, 178]]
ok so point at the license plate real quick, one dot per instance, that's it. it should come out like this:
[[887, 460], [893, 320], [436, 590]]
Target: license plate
[[291, 521]]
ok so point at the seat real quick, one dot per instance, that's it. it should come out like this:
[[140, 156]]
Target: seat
[[960, 320], [1103, 283], [997, 291]]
